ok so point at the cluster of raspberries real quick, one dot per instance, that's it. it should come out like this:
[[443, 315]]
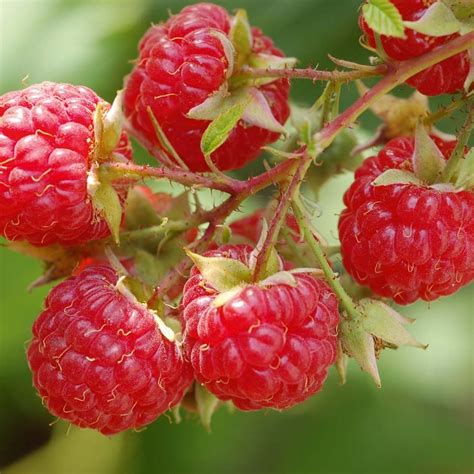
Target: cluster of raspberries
[[103, 359]]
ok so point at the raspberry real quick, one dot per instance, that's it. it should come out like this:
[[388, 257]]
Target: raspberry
[[406, 241], [98, 358], [446, 77], [267, 346], [46, 145], [181, 63]]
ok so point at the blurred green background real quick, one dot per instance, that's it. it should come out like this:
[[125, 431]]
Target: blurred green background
[[419, 422]]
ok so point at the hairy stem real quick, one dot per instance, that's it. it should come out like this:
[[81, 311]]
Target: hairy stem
[[279, 217], [398, 73], [331, 278], [314, 74], [463, 138]]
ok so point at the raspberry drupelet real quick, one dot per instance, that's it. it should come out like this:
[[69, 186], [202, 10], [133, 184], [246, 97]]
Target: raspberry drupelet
[[405, 241], [446, 77], [47, 145], [181, 63], [99, 359], [266, 347]]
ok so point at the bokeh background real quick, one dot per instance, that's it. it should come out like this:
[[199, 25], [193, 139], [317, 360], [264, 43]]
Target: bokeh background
[[419, 422]]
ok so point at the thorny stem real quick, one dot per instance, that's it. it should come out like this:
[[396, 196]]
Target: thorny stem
[[314, 74], [314, 245], [447, 110], [398, 73], [279, 217], [463, 138], [395, 74]]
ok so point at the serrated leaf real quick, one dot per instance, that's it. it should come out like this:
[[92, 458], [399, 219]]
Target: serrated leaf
[[384, 18], [360, 346], [280, 278], [465, 177], [105, 199], [220, 128], [258, 112], [393, 176], [428, 161], [438, 20], [222, 273], [241, 37], [207, 404], [383, 322]]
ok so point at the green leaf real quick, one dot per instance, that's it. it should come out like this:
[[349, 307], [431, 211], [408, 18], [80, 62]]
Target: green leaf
[[219, 129], [438, 20], [241, 37], [384, 18], [222, 273], [385, 323], [105, 199], [428, 161], [394, 176], [207, 404]]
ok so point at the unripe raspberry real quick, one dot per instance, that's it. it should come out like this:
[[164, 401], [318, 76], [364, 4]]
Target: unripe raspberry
[[406, 241], [446, 77], [181, 63], [47, 148], [267, 346], [99, 359]]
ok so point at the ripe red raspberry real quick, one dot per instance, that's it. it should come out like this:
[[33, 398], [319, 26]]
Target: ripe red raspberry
[[402, 240], [267, 346], [445, 77], [46, 147], [181, 63], [98, 358]]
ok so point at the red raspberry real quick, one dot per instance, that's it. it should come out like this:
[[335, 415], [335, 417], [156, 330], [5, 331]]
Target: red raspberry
[[46, 144], [181, 63], [98, 358], [266, 347], [406, 241], [446, 77]]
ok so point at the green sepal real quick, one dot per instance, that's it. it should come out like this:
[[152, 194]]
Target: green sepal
[[222, 273], [428, 161], [465, 176], [440, 20], [384, 322], [359, 345], [270, 62], [220, 128], [241, 37], [106, 201], [207, 404], [393, 176], [383, 17], [273, 263]]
